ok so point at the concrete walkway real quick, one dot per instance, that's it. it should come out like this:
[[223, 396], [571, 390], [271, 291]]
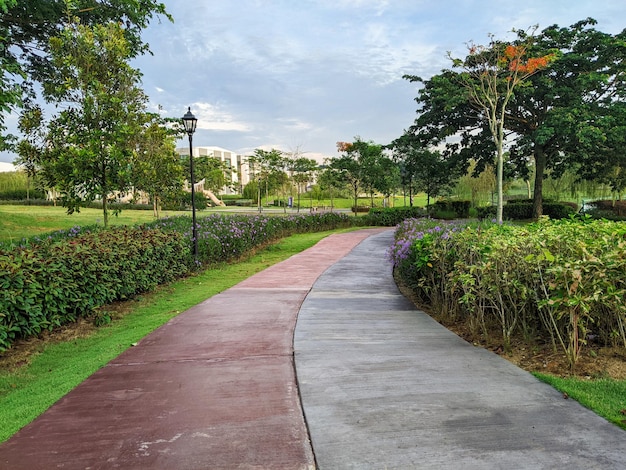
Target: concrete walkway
[[382, 386]]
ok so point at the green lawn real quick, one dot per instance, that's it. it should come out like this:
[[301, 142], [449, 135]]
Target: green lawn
[[606, 397], [17, 222]]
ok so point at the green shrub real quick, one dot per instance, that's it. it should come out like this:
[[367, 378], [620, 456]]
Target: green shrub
[[22, 194], [29, 202], [392, 216], [555, 281], [47, 285], [51, 280], [452, 208], [518, 210], [486, 212]]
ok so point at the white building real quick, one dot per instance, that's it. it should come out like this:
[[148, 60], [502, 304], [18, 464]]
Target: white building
[[240, 175]]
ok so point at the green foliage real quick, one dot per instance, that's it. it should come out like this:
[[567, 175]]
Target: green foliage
[[27, 26], [88, 151], [12, 180], [52, 280], [391, 216], [49, 284], [29, 390], [21, 194], [558, 281], [423, 170], [577, 105], [457, 209]]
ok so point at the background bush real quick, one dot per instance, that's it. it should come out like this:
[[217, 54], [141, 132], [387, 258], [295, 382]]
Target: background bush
[[22, 194], [392, 216], [522, 209], [451, 209]]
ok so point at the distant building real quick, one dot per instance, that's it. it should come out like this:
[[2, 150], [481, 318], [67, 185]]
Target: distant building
[[240, 175]]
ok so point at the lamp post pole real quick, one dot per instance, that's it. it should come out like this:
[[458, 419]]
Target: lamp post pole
[[189, 122]]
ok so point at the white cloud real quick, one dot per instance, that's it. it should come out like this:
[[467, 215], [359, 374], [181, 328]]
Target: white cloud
[[211, 117], [282, 74]]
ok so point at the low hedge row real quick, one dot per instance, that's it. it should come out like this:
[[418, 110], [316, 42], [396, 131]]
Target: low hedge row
[[523, 210], [22, 194], [56, 279], [455, 208], [47, 285], [392, 216]]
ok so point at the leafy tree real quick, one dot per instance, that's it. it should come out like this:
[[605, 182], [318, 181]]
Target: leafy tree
[[27, 26], [564, 117], [349, 169], [353, 165], [490, 75], [30, 149], [10, 75], [302, 170], [423, 169], [263, 164], [92, 140], [330, 180], [557, 120], [210, 169], [156, 167], [387, 176]]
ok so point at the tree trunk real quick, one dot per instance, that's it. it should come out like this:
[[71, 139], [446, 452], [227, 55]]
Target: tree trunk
[[500, 173], [540, 167]]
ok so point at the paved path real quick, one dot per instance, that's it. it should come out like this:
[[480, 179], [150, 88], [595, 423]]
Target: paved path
[[382, 386]]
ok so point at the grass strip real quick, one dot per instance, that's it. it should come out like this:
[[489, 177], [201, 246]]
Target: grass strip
[[605, 397], [28, 391]]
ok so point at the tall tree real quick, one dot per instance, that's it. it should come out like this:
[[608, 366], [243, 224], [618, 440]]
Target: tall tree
[[423, 169], [27, 26], [330, 180], [553, 121], [302, 172], [156, 167], [490, 76], [92, 140], [353, 165], [262, 164]]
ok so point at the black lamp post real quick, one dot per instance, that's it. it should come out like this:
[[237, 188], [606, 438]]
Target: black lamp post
[[190, 122]]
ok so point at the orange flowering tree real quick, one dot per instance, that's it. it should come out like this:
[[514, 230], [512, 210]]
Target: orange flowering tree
[[490, 76]]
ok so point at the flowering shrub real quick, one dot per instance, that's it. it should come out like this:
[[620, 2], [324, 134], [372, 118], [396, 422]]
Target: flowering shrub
[[51, 280], [556, 280]]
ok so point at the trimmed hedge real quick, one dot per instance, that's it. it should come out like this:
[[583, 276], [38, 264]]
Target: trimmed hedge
[[52, 280], [392, 216], [47, 285], [452, 208], [522, 209], [22, 194]]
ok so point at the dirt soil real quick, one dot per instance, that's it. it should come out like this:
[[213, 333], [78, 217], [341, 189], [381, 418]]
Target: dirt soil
[[23, 351]]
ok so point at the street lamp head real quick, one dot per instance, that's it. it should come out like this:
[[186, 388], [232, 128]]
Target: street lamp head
[[189, 122]]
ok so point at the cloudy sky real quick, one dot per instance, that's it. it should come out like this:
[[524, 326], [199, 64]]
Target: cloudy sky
[[302, 75]]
